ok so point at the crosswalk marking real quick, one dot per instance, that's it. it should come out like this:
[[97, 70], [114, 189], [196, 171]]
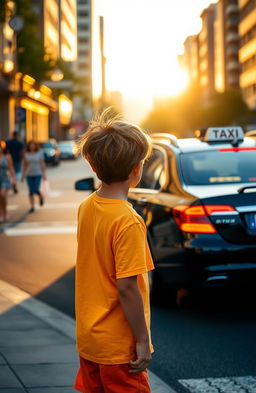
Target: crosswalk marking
[[221, 385], [41, 228], [61, 205], [12, 207]]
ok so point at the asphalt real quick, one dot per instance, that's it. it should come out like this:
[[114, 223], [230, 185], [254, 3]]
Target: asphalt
[[37, 346]]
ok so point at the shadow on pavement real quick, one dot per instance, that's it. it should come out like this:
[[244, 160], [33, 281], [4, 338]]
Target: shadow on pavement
[[13, 224], [61, 294]]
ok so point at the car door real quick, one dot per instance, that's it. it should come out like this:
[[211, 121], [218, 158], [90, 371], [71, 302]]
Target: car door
[[153, 200]]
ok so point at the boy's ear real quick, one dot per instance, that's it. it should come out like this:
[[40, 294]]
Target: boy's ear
[[137, 168]]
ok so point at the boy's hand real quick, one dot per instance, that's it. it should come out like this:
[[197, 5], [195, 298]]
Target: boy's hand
[[143, 358]]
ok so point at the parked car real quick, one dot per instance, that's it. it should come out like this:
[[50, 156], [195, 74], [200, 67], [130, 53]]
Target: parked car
[[51, 152], [68, 150], [198, 199]]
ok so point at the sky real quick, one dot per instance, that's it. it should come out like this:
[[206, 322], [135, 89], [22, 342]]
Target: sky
[[142, 41]]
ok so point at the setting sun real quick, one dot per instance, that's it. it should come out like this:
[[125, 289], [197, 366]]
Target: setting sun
[[143, 39]]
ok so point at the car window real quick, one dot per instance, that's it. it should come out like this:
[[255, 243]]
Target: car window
[[219, 167], [153, 175]]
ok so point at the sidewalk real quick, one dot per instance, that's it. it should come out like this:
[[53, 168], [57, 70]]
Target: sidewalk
[[37, 347]]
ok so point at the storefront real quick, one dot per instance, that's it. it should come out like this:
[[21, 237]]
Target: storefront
[[33, 110]]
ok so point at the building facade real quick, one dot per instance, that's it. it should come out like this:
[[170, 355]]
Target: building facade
[[68, 30], [247, 52], [82, 68], [227, 67], [7, 69], [48, 16], [190, 59], [206, 54]]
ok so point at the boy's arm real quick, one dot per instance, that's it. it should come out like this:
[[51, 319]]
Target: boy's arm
[[132, 305]]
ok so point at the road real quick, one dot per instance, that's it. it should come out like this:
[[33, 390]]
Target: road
[[195, 346]]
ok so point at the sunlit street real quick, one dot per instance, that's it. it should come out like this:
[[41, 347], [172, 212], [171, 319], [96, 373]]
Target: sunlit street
[[210, 336], [127, 196]]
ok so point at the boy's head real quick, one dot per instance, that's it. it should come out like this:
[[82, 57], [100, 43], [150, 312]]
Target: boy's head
[[114, 148]]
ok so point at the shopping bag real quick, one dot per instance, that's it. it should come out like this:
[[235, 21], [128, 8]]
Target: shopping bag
[[46, 189]]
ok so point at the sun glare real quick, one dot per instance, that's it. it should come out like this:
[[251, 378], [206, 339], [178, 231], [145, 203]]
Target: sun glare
[[171, 84], [143, 39]]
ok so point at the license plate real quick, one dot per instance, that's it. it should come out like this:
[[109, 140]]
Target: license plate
[[251, 220]]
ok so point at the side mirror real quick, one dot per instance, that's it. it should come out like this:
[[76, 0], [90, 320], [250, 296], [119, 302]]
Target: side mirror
[[85, 184]]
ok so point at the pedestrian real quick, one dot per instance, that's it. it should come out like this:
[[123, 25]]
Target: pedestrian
[[113, 260], [34, 170], [6, 173], [16, 149]]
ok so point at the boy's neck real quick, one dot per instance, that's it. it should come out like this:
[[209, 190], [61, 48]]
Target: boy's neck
[[114, 190]]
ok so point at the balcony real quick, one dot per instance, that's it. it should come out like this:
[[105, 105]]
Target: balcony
[[232, 23], [232, 8], [233, 80], [232, 51], [233, 65], [232, 37]]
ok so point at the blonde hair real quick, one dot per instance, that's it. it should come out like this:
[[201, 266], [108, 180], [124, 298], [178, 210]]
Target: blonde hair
[[113, 147]]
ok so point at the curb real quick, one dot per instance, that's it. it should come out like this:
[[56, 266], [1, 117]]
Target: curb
[[61, 322]]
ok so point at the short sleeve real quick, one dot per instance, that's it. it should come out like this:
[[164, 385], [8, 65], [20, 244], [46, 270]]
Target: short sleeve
[[130, 251]]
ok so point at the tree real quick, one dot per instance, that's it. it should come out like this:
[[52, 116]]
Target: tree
[[2, 11], [183, 114], [32, 57]]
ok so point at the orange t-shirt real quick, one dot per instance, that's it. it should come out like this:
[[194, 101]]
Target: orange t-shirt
[[112, 244]]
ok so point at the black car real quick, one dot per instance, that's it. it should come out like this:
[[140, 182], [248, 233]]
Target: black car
[[198, 199], [51, 152]]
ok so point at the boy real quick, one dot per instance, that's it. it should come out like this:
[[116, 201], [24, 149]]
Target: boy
[[113, 260]]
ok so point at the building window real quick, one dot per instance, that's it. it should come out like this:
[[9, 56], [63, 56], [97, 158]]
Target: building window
[[83, 1], [83, 40], [83, 27], [83, 52], [83, 66], [83, 14]]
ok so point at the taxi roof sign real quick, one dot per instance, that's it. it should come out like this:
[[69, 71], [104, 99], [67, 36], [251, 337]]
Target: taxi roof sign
[[221, 134]]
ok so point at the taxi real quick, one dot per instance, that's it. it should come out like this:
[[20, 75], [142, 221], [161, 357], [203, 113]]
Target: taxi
[[198, 199]]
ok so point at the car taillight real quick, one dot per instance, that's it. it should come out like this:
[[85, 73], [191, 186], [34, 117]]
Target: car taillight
[[194, 219]]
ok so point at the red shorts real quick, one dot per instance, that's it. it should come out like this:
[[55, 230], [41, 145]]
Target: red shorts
[[99, 378]]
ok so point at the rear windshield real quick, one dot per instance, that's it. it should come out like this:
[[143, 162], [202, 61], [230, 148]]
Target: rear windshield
[[219, 167]]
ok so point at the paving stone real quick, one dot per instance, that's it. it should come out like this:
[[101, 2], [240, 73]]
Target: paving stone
[[47, 375], [2, 360], [28, 321], [28, 337], [35, 354], [7, 378], [221, 385], [14, 312], [5, 390]]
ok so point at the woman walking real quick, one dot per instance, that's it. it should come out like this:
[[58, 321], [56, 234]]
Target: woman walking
[[34, 170], [6, 172]]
